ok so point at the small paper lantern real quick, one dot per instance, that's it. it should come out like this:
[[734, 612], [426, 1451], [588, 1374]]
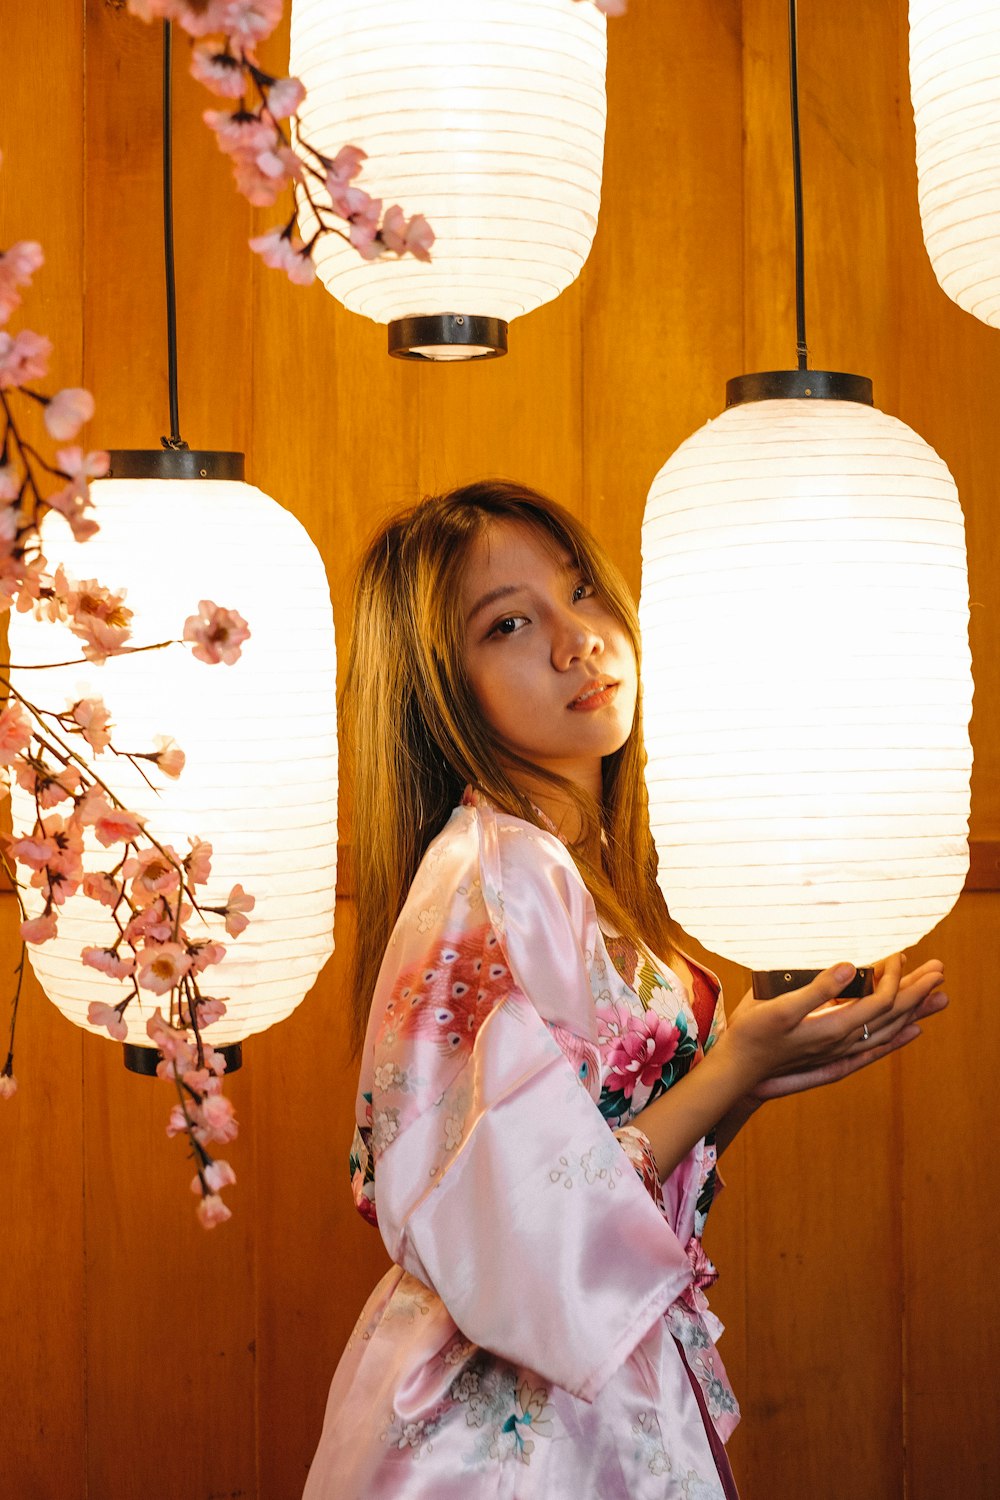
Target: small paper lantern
[[486, 116], [808, 689], [955, 85], [260, 783]]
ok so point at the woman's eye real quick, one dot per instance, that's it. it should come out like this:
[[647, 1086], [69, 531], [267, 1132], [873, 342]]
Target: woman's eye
[[583, 591], [507, 625]]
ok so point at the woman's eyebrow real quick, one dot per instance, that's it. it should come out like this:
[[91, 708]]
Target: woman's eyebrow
[[503, 592]]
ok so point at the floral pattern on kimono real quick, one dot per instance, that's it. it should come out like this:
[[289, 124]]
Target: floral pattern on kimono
[[535, 1335]]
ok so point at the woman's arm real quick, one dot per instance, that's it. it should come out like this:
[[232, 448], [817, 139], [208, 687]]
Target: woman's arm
[[775, 1047]]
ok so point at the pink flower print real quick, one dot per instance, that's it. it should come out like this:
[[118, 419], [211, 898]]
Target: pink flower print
[[67, 411], [108, 1016], [218, 634], [162, 966], [23, 357], [641, 1053], [612, 1024]]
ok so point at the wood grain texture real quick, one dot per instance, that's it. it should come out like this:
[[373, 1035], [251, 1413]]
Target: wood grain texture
[[43, 1428]]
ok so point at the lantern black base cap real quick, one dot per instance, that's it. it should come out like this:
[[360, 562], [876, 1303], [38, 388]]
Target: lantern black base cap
[[144, 1060], [799, 385], [175, 463], [445, 338], [768, 984]]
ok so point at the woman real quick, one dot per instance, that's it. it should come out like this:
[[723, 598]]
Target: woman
[[545, 1079]]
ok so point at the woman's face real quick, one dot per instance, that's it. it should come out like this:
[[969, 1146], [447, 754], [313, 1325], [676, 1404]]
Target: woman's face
[[550, 666]]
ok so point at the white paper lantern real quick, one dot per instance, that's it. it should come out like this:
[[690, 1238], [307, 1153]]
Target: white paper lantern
[[487, 116], [260, 783], [804, 615], [955, 84]]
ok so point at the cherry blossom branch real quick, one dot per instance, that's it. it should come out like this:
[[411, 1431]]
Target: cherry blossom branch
[[225, 35]]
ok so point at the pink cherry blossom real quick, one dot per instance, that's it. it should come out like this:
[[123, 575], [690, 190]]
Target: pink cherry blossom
[[153, 923], [40, 929], [172, 1044], [17, 266], [219, 1174], [99, 886], [239, 133], [218, 634], [117, 827], [15, 733], [400, 235], [107, 961], [345, 166], [169, 756], [94, 721], [152, 874], [108, 1016], [23, 357], [99, 618], [238, 903], [8, 1085], [211, 1010], [212, 1211], [47, 787], [217, 70], [204, 955], [67, 411], [177, 1122], [285, 252], [33, 851], [210, 19], [162, 967], [217, 1119], [199, 862], [250, 21], [10, 484], [284, 97]]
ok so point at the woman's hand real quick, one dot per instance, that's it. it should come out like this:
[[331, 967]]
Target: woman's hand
[[918, 996], [810, 1036]]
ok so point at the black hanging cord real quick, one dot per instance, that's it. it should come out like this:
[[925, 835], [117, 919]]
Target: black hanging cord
[[174, 440], [801, 347]]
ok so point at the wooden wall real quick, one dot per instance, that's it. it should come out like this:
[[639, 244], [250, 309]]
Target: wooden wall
[[142, 1357]]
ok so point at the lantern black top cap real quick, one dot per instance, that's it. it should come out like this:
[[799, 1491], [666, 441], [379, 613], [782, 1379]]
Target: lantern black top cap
[[807, 385], [447, 337], [175, 463]]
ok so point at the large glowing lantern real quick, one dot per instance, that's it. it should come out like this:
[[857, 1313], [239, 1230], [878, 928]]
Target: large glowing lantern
[[260, 783], [955, 85], [808, 687], [486, 116]]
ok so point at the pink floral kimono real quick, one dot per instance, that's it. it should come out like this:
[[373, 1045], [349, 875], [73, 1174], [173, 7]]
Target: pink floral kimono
[[544, 1332]]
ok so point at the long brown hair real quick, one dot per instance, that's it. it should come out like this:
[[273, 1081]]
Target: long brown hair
[[415, 736]]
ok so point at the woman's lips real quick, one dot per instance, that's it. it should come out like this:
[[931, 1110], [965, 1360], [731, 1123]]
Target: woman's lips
[[593, 698]]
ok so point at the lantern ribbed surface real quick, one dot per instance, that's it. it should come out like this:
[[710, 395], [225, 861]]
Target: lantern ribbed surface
[[955, 86], [807, 684], [486, 116], [260, 783]]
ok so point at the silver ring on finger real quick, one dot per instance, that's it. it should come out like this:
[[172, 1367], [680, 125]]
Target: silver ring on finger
[[864, 1033]]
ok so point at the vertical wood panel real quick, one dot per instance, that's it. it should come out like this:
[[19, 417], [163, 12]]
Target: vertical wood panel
[[824, 1401], [43, 1430], [169, 1311]]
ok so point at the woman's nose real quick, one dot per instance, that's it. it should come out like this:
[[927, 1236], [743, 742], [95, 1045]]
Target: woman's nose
[[574, 640]]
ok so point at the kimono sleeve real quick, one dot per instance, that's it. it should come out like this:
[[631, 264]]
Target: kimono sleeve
[[499, 1184]]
